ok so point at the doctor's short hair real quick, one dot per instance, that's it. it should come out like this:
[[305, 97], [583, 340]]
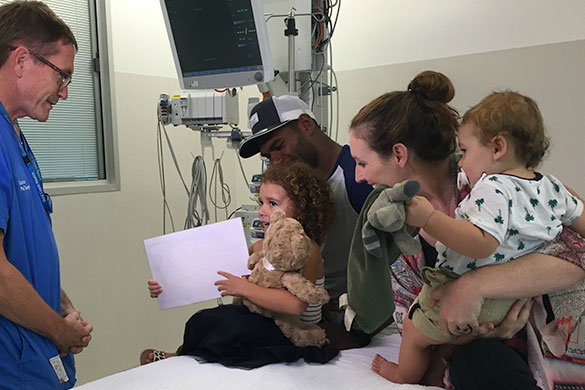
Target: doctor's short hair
[[517, 118], [34, 25], [309, 194]]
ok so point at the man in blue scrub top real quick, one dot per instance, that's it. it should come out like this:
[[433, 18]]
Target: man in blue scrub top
[[39, 328]]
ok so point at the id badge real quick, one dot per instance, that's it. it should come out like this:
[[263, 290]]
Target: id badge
[[59, 369]]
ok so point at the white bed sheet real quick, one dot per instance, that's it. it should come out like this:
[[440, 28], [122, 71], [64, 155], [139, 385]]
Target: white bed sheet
[[349, 370]]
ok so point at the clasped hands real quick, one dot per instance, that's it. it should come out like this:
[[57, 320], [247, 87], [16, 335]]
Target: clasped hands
[[76, 333]]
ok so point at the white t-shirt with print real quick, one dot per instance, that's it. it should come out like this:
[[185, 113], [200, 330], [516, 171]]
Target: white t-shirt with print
[[521, 214]]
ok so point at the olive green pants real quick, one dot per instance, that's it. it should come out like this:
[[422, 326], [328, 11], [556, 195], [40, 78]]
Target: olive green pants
[[426, 318]]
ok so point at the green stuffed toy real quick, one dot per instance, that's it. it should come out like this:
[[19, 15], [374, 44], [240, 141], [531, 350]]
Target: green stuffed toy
[[380, 237]]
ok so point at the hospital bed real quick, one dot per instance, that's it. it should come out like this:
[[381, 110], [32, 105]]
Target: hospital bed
[[349, 370]]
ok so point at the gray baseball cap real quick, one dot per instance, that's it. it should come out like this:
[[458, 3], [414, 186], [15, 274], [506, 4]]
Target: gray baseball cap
[[269, 115]]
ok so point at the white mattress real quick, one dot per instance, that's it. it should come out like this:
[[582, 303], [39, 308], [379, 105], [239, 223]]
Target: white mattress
[[349, 370]]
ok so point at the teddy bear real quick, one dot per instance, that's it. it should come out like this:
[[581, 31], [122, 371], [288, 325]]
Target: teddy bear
[[285, 251]]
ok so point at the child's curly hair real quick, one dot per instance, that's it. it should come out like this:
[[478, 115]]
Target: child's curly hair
[[308, 192]]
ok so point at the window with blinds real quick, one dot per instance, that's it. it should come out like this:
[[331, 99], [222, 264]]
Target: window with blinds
[[69, 147]]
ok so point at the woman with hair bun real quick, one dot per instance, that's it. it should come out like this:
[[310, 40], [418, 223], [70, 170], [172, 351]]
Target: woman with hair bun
[[412, 134]]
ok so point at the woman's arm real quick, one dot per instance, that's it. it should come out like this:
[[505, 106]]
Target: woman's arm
[[530, 275], [277, 300], [579, 225]]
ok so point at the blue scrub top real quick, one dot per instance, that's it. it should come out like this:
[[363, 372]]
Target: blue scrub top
[[30, 246]]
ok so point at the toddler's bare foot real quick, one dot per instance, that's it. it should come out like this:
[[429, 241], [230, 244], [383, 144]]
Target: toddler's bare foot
[[152, 355], [384, 368]]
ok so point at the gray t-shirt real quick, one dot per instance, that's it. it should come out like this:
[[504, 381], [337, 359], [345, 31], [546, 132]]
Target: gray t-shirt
[[348, 198]]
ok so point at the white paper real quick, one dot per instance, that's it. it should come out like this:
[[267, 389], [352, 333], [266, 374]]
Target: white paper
[[186, 263]]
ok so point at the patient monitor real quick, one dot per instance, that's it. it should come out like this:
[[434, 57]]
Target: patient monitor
[[199, 109], [218, 43]]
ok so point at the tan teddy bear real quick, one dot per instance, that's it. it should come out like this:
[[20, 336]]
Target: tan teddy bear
[[285, 250]]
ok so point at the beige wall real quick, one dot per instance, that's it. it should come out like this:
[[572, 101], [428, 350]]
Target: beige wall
[[553, 75], [382, 32]]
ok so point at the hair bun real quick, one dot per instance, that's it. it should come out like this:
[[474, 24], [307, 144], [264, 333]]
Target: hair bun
[[432, 86]]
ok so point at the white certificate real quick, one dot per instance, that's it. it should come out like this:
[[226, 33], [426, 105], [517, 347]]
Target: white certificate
[[186, 263]]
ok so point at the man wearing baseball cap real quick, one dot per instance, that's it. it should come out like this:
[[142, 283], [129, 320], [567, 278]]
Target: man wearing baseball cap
[[283, 129]]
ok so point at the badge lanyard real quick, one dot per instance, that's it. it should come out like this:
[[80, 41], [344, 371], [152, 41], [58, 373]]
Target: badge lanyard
[[31, 164]]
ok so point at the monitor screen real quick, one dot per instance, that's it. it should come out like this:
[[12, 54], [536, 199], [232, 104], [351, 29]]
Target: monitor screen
[[218, 43]]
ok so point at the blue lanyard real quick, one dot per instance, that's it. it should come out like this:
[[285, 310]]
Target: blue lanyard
[[31, 163]]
